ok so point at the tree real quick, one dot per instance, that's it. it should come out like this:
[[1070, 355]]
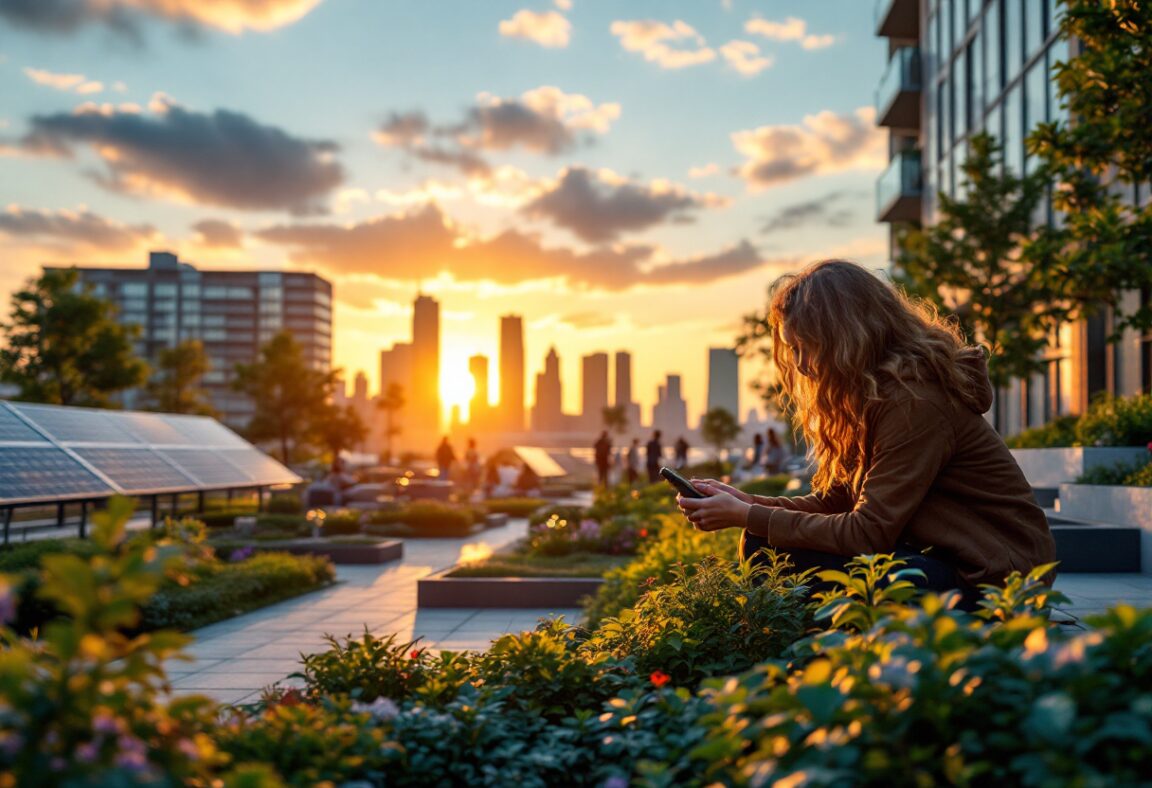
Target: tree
[[65, 346], [337, 427], [286, 391], [971, 263], [391, 402], [615, 419], [718, 428], [1099, 156], [175, 387]]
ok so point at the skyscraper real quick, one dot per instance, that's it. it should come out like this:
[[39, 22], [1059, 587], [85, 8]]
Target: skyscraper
[[547, 415], [424, 403], [624, 389], [396, 367], [512, 373], [670, 413], [479, 416], [724, 380], [594, 382]]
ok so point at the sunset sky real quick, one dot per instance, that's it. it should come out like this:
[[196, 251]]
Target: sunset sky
[[625, 175]]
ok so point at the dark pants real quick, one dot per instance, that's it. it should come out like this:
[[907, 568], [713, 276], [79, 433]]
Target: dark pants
[[939, 575], [602, 474], [653, 474]]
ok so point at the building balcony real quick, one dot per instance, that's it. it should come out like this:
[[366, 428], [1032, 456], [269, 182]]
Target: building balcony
[[898, 18], [899, 189], [898, 96]]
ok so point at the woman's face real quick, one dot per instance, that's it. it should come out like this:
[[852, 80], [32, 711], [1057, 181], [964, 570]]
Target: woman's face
[[803, 355]]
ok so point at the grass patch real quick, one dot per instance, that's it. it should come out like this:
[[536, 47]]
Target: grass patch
[[520, 565]]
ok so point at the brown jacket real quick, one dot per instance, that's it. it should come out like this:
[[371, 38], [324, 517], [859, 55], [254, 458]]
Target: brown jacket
[[937, 475]]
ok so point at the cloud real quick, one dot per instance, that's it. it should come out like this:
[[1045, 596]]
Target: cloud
[[600, 206], [124, 16], [66, 82], [587, 319], [219, 234], [745, 57], [826, 210], [823, 143], [791, 29], [704, 170], [73, 228], [545, 121], [564, 5], [653, 39], [221, 158], [548, 29], [424, 243]]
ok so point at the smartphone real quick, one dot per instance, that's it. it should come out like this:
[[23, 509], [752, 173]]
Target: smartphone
[[681, 484]]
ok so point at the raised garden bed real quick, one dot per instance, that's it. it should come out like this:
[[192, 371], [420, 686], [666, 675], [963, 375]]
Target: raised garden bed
[[352, 551], [439, 590], [1116, 505]]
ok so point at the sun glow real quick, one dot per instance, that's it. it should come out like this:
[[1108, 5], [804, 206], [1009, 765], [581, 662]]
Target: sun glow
[[456, 388]]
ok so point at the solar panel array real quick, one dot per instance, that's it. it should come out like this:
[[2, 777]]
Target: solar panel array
[[50, 453]]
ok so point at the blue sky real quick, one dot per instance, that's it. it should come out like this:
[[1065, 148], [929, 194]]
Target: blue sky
[[623, 174]]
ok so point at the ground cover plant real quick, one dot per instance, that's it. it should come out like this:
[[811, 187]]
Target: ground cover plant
[[423, 519], [716, 675]]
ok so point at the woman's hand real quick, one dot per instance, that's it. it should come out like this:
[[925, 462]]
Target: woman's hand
[[711, 487], [721, 509]]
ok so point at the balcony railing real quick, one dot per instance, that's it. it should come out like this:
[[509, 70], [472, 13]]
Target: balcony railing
[[898, 18], [899, 189], [898, 96]]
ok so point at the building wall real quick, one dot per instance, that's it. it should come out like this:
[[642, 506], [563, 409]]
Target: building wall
[[512, 372], [724, 380], [232, 312]]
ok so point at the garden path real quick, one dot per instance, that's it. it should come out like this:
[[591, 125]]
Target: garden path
[[236, 658]]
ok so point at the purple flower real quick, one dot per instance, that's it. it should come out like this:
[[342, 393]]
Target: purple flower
[[105, 723], [11, 744], [87, 753], [616, 781], [241, 554]]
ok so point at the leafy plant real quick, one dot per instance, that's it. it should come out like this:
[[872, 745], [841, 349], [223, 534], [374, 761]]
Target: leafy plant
[[341, 522], [770, 486], [1059, 432], [1117, 421], [514, 507], [424, 518], [366, 668], [284, 503]]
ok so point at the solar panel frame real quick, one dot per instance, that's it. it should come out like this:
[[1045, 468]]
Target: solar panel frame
[[264, 469], [14, 429], [207, 468], [68, 479], [67, 425]]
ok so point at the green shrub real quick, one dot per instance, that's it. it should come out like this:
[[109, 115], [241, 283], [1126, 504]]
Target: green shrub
[[294, 524], [770, 486], [514, 507], [341, 522], [1115, 474], [1117, 421], [219, 590], [622, 534], [366, 668], [1141, 477], [284, 503], [678, 544], [23, 556], [424, 518], [713, 619], [224, 518], [1059, 432]]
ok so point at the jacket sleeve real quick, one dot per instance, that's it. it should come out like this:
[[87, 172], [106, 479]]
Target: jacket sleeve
[[912, 441], [839, 499]]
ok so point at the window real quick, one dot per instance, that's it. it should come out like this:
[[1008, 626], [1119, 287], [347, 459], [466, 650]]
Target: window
[[993, 52], [1014, 130], [240, 293], [1013, 38], [976, 80], [1035, 31], [134, 289], [962, 96], [270, 279], [944, 176], [1036, 98], [165, 290], [1056, 113], [215, 292]]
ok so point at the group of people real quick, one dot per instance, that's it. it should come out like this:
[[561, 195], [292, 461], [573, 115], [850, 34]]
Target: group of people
[[490, 477]]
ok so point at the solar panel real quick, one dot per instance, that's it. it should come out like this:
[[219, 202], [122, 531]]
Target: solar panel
[[149, 428], [203, 431], [45, 473], [13, 429], [137, 470], [258, 465], [75, 425], [207, 467]]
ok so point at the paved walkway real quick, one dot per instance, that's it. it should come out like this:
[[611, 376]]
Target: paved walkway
[[235, 659]]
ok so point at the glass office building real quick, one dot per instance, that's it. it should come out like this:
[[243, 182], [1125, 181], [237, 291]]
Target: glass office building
[[232, 312], [957, 67]]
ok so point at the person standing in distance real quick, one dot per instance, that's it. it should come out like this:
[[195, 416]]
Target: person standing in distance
[[654, 457]]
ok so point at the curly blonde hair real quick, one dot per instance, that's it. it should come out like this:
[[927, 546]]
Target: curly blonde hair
[[858, 333]]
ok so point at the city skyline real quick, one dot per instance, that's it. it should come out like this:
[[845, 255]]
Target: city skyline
[[617, 176]]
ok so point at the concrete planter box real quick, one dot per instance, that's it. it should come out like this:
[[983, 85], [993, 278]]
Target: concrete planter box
[[1115, 505], [1050, 468], [503, 592], [339, 553]]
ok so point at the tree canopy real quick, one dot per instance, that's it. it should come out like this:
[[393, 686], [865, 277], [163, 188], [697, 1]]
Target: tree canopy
[[176, 384]]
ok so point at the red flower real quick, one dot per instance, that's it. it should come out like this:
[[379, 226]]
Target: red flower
[[659, 678], [415, 654], [649, 581], [291, 697], [1149, 445], [643, 532]]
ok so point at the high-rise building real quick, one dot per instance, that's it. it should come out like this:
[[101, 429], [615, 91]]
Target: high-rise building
[[594, 390], [396, 367], [424, 403], [547, 415], [479, 411], [512, 373], [624, 390], [724, 380], [233, 313], [670, 413], [957, 68]]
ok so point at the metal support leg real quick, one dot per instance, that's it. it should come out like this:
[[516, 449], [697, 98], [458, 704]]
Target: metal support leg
[[60, 515], [200, 501], [259, 499], [229, 497], [83, 519], [155, 510], [175, 505], [7, 523]]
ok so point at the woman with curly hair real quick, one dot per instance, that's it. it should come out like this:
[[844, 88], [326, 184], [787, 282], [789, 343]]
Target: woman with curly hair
[[891, 401]]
